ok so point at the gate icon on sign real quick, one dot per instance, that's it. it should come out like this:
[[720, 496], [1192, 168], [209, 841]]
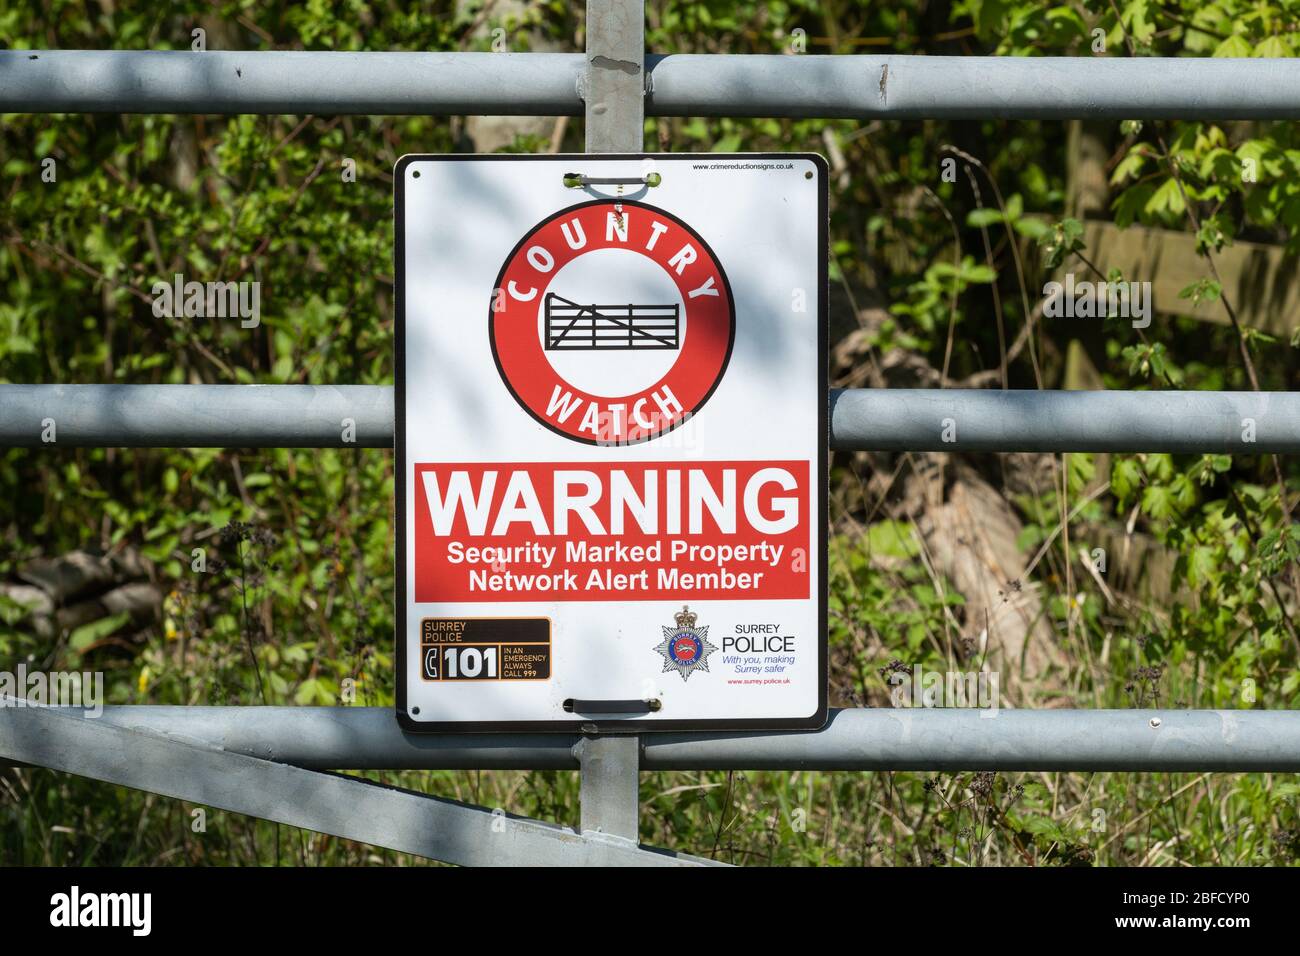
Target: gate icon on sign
[[570, 326]]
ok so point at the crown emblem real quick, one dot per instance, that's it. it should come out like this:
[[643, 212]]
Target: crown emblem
[[685, 617]]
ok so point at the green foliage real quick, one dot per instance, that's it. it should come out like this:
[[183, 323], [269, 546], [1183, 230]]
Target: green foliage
[[1060, 242], [295, 606]]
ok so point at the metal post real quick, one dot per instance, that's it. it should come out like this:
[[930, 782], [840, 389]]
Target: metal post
[[614, 92], [611, 777], [614, 83]]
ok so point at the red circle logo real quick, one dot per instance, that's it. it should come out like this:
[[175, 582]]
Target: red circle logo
[[686, 649], [612, 322]]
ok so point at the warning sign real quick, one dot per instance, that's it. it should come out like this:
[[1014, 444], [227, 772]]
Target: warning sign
[[611, 441]]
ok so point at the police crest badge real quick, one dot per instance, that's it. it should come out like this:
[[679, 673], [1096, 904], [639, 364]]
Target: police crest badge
[[685, 647]]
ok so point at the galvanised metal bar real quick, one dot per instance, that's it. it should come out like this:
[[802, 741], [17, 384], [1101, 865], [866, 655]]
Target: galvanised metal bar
[[803, 86], [199, 772], [327, 416], [368, 738], [150, 81], [197, 416], [973, 87], [1032, 420]]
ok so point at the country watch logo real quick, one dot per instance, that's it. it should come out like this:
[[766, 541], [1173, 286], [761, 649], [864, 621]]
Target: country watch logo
[[612, 322]]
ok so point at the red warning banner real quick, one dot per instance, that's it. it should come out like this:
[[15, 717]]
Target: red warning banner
[[594, 531]]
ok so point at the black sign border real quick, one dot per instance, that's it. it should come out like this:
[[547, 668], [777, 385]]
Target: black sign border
[[814, 721]]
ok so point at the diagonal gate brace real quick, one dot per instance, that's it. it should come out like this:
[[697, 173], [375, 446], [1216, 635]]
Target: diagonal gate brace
[[63, 739]]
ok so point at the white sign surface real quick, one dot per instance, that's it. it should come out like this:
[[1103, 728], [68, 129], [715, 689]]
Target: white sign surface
[[611, 441]]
